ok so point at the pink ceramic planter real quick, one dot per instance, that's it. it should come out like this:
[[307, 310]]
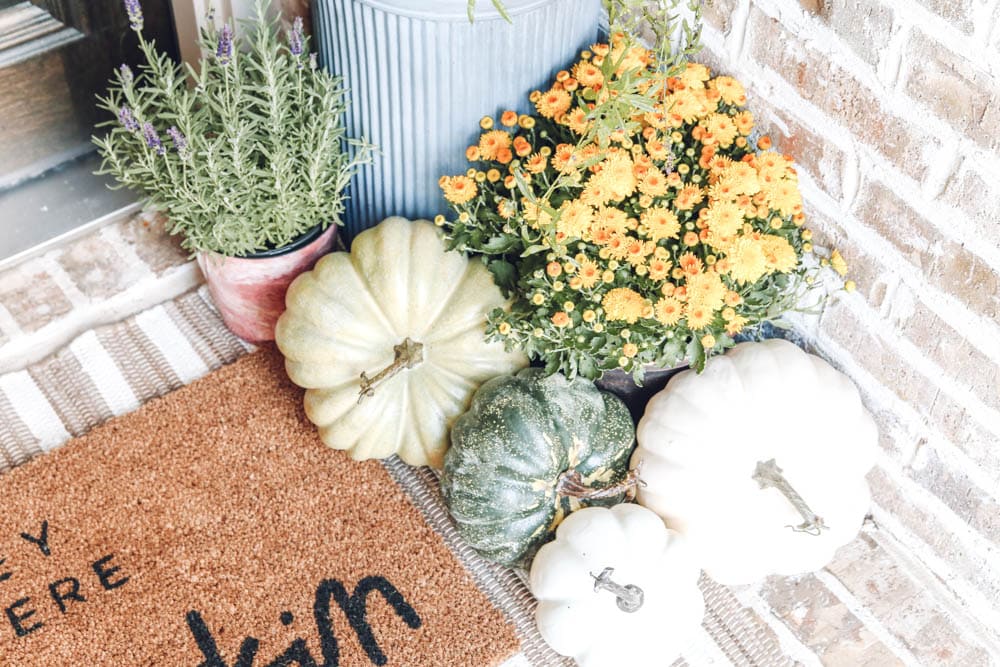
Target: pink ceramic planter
[[250, 291]]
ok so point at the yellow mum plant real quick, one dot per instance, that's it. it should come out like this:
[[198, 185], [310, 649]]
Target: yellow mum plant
[[633, 218]]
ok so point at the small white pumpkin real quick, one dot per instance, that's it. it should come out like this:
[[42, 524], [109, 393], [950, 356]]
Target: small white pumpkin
[[759, 461], [616, 588], [389, 341]]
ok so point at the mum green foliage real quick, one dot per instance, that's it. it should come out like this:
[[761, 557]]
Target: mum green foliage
[[244, 155]]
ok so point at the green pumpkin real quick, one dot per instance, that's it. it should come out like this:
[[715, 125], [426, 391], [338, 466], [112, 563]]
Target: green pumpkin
[[530, 450]]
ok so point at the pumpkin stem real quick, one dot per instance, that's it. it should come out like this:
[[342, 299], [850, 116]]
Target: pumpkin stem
[[571, 484], [409, 353], [768, 475], [630, 597]]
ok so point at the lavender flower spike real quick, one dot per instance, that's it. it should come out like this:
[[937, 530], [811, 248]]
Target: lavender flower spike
[[126, 73], [152, 138], [224, 52], [134, 11], [127, 120], [180, 143], [295, 38]]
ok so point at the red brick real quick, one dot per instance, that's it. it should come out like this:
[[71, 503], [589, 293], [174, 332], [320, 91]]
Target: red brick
[[954, 89], [96, 269], [903, 605], [823, 622], [927, 527], [147, 235], [813, 153], [978, 197], [719, 14], [879, 358], [865, 25], [972, 504], [871, 277], [839, 94], [946, 264], [941, 412], [32, 298], [957, 12]]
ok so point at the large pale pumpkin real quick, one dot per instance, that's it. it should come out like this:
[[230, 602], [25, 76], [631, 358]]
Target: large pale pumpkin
[[530, 450], [759, 461], [389, 342]]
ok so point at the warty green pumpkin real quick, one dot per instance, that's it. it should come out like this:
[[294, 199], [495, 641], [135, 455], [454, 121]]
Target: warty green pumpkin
[[531, 449]]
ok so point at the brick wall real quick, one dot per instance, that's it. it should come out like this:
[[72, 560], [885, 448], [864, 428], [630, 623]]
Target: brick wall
[[892, 111]]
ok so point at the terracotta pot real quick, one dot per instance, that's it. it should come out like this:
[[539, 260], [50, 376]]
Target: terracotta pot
[[621, 384], [250, 291]]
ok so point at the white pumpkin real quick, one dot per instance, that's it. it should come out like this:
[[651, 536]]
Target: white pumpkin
[[759, 461], [616, 588], [389, 341]]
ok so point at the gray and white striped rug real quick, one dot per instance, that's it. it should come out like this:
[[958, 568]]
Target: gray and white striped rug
[[114, 369]]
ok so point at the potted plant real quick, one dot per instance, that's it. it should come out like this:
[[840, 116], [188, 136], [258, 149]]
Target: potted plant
[[423, 73], [247, 155], [633, 219]]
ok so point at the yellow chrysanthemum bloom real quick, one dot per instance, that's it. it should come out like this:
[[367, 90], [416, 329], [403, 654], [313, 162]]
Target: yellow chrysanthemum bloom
[[575, 219], [721, 128], [707, 289], [536, 163], [838, 264], [698, 316], [744, 122], [783, 196], [779, 254], [553, 103], [695, 74], [587, 74], [492, 142], [688, 197], [668, 311], [654, 183], [730, 90], [724, 220], [506, 209], [747, 263], [660, 223], [624, 305], [735, 325], [589, 273], [458, 189], [576, 120], [636, 252], [618, 175], [659, 269]]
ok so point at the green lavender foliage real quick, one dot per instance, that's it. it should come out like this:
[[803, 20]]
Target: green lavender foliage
[[244, 155]]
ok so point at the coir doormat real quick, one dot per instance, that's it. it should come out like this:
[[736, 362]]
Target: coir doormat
[[211, 528]]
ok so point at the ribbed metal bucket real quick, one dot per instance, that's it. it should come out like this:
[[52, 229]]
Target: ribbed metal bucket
[[420, 77]]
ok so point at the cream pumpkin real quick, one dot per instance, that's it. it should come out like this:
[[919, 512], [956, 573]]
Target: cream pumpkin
[[388, 340], [616, 588], [759, 461]]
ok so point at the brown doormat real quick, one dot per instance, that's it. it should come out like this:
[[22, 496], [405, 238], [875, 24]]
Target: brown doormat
[[211, 528]]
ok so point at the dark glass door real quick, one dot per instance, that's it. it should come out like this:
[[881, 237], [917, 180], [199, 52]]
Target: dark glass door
[[55, 57]]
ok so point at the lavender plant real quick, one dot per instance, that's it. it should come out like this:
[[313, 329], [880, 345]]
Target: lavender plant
[[246, 154]]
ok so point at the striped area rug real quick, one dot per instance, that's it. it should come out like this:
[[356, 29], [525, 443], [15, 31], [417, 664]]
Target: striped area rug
[[112, 370]]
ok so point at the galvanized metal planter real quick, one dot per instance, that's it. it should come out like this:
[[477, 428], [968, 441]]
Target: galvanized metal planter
[[420, 77]]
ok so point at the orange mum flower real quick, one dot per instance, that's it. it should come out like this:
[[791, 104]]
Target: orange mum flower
[[553, 103], [560, 319], [492, 142], [690, 264]]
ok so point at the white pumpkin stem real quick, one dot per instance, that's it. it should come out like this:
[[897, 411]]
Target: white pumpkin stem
[[571, 484], [768, 475], [409, 353], [630, 597]]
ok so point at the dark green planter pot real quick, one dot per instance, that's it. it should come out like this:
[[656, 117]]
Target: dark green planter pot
[[621, 384]]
